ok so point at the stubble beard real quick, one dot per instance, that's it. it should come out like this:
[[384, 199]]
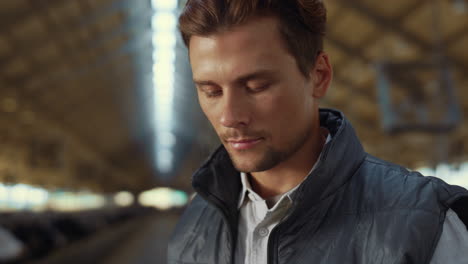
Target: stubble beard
[[271, 156]]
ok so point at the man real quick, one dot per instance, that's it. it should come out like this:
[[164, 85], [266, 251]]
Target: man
[[291, 182]]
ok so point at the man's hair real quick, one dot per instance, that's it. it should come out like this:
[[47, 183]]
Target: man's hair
[[301, 22]]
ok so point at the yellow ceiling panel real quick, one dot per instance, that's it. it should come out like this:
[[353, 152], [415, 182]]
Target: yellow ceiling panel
[[5, 47], [110, 22], [448, 19], [351, 27], [8, 7], [392, 46], [46, 53], [459, 49], [452, 19], [29, 29], [97, 4], [335, 54], [17, 67], [62, 11], [389, 9]]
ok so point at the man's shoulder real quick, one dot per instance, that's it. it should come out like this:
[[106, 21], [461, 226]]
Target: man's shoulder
[[388, 186], [394, 175], [386, 164], [388, 172], [378, 171]]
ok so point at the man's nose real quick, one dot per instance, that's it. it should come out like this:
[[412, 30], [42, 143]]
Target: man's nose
[[235, 111]]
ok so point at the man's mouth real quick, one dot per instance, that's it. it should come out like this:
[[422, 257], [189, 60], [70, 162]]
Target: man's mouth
[[243, 143]]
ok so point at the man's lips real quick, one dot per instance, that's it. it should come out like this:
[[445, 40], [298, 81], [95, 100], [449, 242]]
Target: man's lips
[[241, 144]]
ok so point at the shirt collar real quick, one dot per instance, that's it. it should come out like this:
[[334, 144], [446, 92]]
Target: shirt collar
[[247, 188]]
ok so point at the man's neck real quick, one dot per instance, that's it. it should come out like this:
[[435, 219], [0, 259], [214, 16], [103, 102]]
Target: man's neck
[[291, 172]]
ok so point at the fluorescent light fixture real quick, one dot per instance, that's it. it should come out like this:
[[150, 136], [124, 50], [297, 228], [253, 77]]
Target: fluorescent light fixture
[[166, 139], [164, 56], [162, 21], [164, 93], [124, 198], [163, 68], [164, 4], [164, 160], [164, 41], [25, 197], [164, 74], [76, 201], [163, 198]]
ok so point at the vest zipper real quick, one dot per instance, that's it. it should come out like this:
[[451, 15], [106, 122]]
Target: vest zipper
[[273, 241], [271, 247]]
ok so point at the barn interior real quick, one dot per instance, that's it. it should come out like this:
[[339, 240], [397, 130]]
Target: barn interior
[[100, 127]]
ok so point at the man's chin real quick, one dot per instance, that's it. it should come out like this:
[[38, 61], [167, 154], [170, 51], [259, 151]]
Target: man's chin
[[244, 163], [252, 160], [248, 165], [245, 169]]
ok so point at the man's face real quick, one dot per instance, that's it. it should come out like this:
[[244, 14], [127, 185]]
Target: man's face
[[251, 90]]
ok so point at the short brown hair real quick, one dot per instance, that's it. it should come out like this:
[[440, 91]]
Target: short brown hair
[[301, 22]]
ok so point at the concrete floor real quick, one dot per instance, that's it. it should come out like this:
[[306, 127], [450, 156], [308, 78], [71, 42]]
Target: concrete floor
[[138, 241]]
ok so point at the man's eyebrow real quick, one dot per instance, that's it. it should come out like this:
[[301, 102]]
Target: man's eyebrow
[[201, 83], [255, 75], [241, 79]]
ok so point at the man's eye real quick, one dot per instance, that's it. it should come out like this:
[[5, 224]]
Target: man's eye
[[213, 93], [258, 88]]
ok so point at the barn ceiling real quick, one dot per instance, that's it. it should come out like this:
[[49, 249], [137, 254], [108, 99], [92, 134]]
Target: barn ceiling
[[363, 34], [75, 107]]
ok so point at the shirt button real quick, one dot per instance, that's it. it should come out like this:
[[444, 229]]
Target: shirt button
[[263, 231]]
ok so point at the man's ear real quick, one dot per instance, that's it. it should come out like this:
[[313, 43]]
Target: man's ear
[[321, 75]]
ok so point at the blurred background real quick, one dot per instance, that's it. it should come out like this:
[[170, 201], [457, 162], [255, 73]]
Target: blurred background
[[100, 128]]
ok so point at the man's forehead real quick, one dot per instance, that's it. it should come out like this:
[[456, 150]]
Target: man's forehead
[[257, 31], [238, 51], [232, 66]]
